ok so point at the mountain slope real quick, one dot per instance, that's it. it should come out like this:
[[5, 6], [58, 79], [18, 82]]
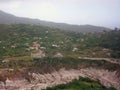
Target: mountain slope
[[6, 18]]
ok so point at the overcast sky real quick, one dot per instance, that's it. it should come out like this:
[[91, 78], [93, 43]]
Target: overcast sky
[[94, 12]]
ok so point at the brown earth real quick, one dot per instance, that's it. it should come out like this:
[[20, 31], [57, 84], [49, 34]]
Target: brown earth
[[24, 80]]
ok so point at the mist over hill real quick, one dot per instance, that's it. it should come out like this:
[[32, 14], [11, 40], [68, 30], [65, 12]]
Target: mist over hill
[[6, 18]]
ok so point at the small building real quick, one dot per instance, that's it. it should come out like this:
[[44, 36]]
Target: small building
[[105, 49], [58, 55], [43, 48], [39, 54], [35, 46], [13, 46], [75, 49], [54, 45], [5, 61]]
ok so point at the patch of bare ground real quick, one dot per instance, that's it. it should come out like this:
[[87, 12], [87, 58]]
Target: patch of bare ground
[[36, 81]]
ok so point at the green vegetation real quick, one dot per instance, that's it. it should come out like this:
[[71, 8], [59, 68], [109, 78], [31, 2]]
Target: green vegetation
[[46, 65], [81, 84], [15, 41], [17, 47]]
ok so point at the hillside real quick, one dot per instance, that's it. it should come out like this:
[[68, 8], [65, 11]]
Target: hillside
[[6, 18], [36, 57], [15, 39]]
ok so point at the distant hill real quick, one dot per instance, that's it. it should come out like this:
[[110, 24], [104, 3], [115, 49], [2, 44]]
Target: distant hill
[[6, 18]]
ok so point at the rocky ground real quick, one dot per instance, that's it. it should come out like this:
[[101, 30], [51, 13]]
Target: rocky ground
[[38, 81]]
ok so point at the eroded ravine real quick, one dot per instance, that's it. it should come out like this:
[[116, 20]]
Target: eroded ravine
[[37, 81]]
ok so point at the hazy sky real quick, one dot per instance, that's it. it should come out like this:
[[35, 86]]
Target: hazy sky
[[94, 12]]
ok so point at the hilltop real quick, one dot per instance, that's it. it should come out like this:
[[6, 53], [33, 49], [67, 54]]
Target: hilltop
[[6, 18]]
